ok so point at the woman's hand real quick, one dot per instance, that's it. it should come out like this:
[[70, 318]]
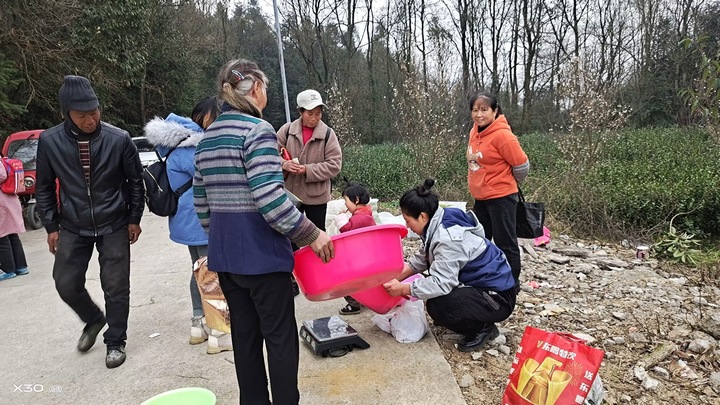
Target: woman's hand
[[289, 166], [293, 167], [323, 247], [395, 288]]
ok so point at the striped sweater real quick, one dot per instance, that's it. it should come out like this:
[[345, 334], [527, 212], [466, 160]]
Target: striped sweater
[[240, 198]]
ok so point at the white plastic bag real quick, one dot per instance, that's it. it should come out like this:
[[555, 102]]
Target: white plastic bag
[[407, 324], [597, 392]]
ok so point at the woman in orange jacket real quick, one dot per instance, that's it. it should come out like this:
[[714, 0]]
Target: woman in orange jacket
[[496, 165]]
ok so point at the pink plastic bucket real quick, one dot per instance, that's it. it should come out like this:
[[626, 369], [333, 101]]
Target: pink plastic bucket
[[378, 300], [364, 258]]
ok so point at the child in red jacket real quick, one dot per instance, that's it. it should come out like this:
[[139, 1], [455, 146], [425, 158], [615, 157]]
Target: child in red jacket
[[358, 215]]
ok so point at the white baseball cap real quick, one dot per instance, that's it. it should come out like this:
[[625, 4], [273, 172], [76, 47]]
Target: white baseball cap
[[309, 99]]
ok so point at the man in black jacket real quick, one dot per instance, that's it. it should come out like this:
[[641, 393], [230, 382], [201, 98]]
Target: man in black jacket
[[99, 203]]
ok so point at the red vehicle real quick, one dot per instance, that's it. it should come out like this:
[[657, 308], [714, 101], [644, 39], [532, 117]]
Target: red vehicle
[[23, 145]]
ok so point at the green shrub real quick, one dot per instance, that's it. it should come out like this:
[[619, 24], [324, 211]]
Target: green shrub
[[680, 247], [639, 180], [650, 175], [388, 170], [545, 157], [451, 177], [385, 169]]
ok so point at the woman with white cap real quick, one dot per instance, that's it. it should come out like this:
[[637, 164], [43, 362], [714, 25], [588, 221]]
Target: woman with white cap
[[314, 157]]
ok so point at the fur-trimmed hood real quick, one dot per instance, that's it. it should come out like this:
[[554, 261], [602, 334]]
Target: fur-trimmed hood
[[173, 129]]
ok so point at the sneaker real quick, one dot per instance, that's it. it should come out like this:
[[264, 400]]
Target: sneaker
[[90, 332], [349, 310], [6, 276], [199, 330], [477, 341], [22, 271], [115, 356], [219, 342]]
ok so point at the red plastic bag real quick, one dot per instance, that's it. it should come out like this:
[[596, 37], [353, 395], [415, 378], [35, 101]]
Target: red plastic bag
[[551, 369]]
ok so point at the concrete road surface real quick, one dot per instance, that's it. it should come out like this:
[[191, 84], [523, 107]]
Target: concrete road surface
[[40, 365]]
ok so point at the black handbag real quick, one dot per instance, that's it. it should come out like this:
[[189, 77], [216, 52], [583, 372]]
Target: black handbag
[[530, 218]]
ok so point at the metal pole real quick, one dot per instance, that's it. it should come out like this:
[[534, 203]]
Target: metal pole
[[282, 61]]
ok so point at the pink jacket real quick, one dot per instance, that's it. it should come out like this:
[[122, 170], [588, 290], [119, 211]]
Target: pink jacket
[[11, 217]]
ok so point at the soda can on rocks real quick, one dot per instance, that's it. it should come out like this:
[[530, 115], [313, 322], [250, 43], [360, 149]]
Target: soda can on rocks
[[642, 252]]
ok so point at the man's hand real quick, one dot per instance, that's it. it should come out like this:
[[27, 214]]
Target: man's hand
[[52, 241], [323, 247], [134, 232]]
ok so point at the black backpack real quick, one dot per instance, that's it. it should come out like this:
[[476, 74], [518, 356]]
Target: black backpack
[[160, 197]]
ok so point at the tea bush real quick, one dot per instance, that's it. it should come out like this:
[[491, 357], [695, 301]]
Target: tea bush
[[649, 175], [545, 157], [388, 170], [640, 180], [385, 169]]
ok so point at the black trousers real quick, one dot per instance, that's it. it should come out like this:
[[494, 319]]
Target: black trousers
[[315, 213], [467, 310], [498, 217], [71, 264], [12, 255], [262, 308]]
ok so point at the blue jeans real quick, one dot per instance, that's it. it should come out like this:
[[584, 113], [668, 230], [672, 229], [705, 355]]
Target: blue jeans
[[196, 252]]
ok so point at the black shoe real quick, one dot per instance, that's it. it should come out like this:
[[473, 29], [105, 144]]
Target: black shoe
[[295, 288], [349, 310], [115, 356], [90, 332], [472, 343]]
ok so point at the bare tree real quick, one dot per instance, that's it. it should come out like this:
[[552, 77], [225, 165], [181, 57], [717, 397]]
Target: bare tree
[[306, 21], [462, 18], [533, 12], [498, 14], [513, 56], [648, 14]]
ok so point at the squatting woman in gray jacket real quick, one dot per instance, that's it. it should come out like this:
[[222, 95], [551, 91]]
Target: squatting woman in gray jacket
[[469, 285]]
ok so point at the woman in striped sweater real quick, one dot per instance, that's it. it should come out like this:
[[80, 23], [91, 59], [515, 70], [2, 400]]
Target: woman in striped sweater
[[241, 202]]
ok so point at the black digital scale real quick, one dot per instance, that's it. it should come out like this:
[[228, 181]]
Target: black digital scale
[[331, 336]]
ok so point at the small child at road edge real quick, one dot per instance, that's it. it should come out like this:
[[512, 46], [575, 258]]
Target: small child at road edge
[[358, 215]]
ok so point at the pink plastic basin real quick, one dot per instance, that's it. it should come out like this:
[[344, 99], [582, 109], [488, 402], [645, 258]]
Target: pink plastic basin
[[378, 300], [364, 258]]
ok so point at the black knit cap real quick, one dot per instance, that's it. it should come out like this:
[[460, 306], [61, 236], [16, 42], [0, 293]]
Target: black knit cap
[[77, 93]]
